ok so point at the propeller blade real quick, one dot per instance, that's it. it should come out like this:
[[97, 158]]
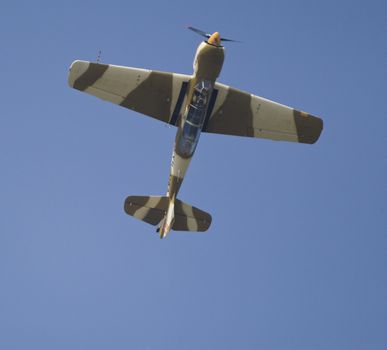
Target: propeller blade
[[207, 35], [200, 32], [230, 40]]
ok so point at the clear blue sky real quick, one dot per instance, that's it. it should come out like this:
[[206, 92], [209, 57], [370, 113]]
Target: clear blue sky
[[296, 255]]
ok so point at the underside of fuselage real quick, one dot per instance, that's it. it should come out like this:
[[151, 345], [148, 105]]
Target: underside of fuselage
[[207, 66]]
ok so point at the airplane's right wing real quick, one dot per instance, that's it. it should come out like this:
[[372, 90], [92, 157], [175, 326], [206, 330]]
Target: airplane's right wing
[[234, 112], [157, 94]]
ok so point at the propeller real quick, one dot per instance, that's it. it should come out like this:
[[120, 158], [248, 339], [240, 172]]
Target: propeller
[[207, 35]]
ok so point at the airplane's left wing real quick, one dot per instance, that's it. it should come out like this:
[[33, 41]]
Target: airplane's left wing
[[235, 112], [157, 94]]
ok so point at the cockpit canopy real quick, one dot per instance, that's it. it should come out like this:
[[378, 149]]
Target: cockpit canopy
[[196, 114], [198, 106]]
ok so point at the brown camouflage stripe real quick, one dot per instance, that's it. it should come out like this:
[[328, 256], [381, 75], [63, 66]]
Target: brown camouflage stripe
[[153, 96], [237, 104], [152, 210], [201, 219], [235, 116], [141, 208], [151, 93], [90, 76], [156, 94], [308, 127], [181, 223]]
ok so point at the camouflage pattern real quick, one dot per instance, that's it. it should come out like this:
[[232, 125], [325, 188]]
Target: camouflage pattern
[[168, 97], [242, 114], [152, 93], [151, 209]]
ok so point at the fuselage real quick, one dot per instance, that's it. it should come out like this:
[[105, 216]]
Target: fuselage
[[207, 66]]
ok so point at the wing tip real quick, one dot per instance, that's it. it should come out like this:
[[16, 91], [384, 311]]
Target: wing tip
[[83, 74], [309, 127], [76, 69]]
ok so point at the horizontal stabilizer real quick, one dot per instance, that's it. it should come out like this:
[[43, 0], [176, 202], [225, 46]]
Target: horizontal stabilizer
[[152, 210]]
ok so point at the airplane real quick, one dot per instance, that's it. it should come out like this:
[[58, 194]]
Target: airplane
[[195, 104]]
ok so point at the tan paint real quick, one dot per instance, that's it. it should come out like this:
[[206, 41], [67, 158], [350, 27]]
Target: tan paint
[[152, 210], [208, 62], [141, 90], [156, 88], [90, 76], [156, 93], [233, 115], [214, 39]]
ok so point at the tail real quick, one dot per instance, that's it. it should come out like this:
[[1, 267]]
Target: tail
[[155, 209]]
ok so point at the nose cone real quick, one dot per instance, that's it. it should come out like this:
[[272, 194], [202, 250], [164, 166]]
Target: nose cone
[[214, 39]]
